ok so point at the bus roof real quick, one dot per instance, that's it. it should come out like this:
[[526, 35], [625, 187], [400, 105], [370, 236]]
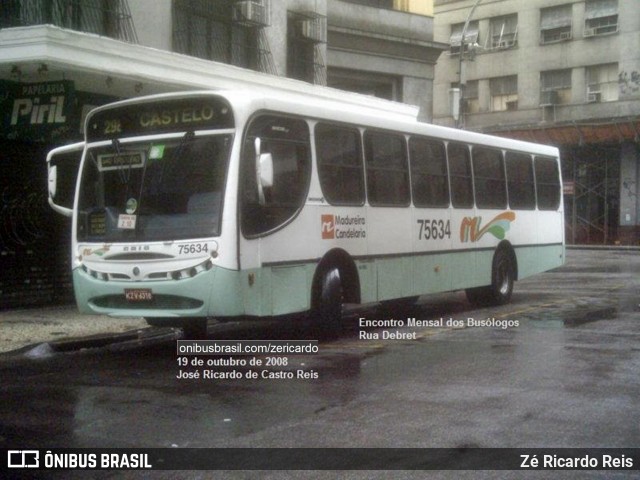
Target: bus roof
[[338, 108]]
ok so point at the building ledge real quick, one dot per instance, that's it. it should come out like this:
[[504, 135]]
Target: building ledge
[[88, 59]]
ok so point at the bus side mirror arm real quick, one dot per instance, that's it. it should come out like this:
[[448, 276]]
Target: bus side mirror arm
[[264, 171]]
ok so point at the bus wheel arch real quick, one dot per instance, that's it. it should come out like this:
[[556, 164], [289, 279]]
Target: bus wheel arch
[[335, 283], [504, 272]]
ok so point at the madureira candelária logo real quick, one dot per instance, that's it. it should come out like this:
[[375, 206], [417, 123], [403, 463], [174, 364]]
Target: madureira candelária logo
[[470, 230]]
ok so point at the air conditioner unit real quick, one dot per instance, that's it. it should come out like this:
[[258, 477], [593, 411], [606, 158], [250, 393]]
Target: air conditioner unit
[[594, 95], [506, 43], [250, 13], [313, 29], [589, 32], [548, 98], [565, 35]]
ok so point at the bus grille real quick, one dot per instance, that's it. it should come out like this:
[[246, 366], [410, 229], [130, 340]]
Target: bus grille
[[159, 302]]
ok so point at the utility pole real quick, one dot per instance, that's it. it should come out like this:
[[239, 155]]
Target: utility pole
[[461, 76]]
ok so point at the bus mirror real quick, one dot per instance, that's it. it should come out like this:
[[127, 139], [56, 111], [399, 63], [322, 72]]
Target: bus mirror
[[264, 171], [62, 166], [53, 174]]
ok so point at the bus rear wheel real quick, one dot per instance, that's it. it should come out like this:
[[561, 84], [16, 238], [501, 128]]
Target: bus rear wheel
[[327, 313], [502, 279]]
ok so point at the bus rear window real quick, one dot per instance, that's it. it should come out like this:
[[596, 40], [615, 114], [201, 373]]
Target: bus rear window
[[547, 183]]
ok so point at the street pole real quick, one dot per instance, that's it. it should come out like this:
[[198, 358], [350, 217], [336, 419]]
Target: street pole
[[462, 80]]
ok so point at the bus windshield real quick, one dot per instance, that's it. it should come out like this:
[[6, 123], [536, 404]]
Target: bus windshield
[[153, 191]]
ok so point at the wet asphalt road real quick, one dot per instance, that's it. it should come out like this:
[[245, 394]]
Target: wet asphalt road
[[563, 374]]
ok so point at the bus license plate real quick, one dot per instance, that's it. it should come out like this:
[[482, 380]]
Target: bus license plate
[[138, 294]]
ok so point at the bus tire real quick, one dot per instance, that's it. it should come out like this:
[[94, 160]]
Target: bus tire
[[163, 321], [503, 273], [194, 328], [327, 313]]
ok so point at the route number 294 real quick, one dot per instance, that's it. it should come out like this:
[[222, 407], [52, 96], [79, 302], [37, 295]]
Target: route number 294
[[434, 229]]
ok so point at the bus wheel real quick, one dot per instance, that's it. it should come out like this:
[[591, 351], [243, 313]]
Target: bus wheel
[[327, 314], [163, 322], [502, 278], [194, 328]]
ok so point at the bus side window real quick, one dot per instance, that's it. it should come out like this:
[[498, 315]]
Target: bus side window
[[460, 175], [488, 178], [387, 170], [287, 140], [547, 183], [520, 184], [429, 181], [340, 167]]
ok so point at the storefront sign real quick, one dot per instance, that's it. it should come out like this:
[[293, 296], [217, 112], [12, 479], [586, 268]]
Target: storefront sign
[[37, 111]]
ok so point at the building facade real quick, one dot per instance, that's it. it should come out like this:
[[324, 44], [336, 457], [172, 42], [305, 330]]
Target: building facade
[[60, 58], [560, 72]]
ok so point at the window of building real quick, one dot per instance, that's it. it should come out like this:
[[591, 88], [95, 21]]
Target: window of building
[[602, 83], [601, 17], [340, 164], [488, 178], [470, 97], [306, 33], [429, 180], [110, 18], [547, 183], [504, 93], [471, 37], [460, 175], [555, 87], [503, 32], [555, 24], [387, 4], [287, 140], [387, 170], [520, 183], [206, 30]]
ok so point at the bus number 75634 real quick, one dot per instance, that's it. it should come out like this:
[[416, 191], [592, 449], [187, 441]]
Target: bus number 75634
[[434, 229]]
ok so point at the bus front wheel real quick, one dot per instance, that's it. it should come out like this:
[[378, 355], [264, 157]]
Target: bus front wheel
[[502, 279], [194, 328]]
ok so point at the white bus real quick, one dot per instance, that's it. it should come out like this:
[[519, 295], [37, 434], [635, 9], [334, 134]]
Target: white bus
[[231, 204]]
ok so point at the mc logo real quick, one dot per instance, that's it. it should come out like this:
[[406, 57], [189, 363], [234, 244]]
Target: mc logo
[[328, 227]]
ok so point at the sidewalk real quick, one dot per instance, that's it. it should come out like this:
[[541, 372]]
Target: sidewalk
[[29, 326]]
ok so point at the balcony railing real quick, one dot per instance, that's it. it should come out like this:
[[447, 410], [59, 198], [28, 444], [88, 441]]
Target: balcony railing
[[110, 18]]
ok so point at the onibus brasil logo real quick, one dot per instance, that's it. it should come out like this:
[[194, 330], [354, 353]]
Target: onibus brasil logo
[[498, 226]]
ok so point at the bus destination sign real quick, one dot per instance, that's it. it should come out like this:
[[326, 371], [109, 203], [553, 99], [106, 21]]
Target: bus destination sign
[[175, 115]]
